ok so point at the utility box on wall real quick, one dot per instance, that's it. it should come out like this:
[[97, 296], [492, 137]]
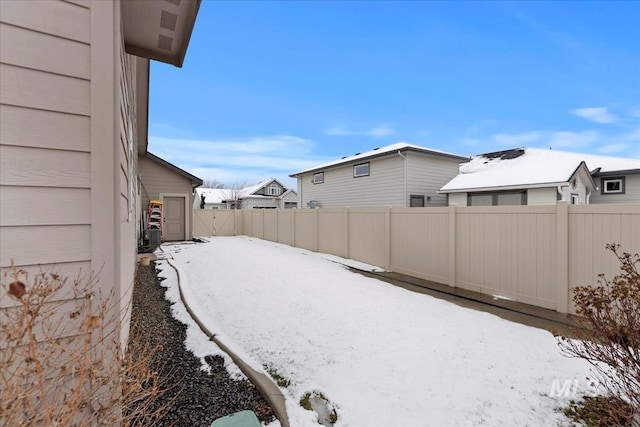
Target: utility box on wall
[[155, 237]]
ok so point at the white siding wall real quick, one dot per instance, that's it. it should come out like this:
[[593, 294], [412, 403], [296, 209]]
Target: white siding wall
[[632, 192], [458, 199], [383, 186], [45, 142], [267, 202], [542, 196], [580, 190], [427, 174], [289, 197]]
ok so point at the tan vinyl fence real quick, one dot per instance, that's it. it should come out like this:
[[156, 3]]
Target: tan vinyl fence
[[531, 254]]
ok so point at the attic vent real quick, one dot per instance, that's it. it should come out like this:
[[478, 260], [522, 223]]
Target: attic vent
[[176, 2], [168, 20], [164, 42], [357, 154], [377, 148], [343, 157]]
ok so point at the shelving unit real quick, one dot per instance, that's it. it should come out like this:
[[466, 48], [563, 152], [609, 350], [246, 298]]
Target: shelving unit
[[154, 225]]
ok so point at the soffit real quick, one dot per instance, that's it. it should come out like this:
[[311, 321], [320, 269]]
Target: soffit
[[159, 29]]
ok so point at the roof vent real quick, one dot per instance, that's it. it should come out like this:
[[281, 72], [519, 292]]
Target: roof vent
[[357, 154], [168, 20], [343, 157], [377, 148], [505, 155], [164, 42]]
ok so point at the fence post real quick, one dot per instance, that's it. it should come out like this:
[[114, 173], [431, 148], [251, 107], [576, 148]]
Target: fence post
[[277, 226], [346, 232], [315, 228], [452, 245], [387, 238], [293, 224], [235, 222], [562, 241]]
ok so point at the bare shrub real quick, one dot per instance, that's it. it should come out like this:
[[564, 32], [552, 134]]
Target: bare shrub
[[608, 332], [61, 360]]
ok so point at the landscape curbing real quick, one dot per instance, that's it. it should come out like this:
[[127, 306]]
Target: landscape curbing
[[263, 383]]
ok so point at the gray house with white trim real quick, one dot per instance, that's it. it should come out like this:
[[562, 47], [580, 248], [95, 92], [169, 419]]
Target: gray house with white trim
[[531, 176], [400, 175]]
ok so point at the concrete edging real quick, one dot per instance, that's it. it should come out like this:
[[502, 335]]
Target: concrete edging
[[263, 383]]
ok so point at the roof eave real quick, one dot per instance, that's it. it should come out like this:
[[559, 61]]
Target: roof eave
[[195, 181], [352, 160], [598, 172], [503, 187]]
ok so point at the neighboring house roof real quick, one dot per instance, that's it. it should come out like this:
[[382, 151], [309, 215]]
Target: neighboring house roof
[[220, 195], [530, 168], [376, 152], [248, 191], [211, 195], [194, 179]]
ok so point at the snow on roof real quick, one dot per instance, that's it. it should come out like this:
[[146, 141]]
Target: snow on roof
[[378, 151], [248, 191], [529, 167], [212, 195], [218, 195]]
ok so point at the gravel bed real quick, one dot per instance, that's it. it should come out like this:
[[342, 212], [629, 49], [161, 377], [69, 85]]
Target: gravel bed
[[196, 397]]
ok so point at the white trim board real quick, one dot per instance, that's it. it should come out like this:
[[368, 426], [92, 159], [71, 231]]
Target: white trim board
[[187, 207]]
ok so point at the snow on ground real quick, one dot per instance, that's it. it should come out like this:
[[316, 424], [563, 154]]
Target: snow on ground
[[383, 355]]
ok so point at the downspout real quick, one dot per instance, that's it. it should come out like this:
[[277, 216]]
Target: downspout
[[404, 190]]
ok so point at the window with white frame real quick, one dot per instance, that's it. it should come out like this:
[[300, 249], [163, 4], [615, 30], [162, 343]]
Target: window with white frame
[[273, 189], [613, 185], [361, 170], [318, 178]]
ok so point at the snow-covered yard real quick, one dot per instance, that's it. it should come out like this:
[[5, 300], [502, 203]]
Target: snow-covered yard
[[383, 355]]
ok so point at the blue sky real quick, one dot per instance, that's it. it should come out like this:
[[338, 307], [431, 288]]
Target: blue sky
[[270, 88]]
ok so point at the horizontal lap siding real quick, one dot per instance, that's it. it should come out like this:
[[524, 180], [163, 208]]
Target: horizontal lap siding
[[71, 270], [509, 252], [631, 194], [383, 186], [127, 163], [427, 174], [45, 170], [420, 243], [158, 179]]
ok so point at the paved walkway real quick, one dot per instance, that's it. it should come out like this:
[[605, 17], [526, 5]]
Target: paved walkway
[[510, 310]]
